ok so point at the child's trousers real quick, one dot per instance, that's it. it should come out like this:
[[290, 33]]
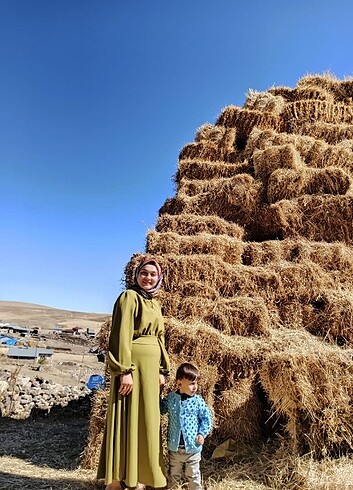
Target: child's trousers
[[192, 469]]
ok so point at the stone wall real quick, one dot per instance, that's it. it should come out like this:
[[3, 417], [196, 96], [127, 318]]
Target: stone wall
[[22, 397]]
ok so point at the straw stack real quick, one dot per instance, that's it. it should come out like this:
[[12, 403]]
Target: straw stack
[[257, 252]]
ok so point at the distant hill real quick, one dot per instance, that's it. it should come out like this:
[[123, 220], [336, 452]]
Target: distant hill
[[32, 315]]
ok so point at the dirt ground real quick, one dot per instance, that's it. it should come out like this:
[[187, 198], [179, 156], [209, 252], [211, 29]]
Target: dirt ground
[[44, 454]]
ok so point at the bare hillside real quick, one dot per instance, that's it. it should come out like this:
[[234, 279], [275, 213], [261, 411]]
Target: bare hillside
[[45, 317]]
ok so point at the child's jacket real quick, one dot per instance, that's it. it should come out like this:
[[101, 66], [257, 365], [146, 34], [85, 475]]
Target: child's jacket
[[192, 417]]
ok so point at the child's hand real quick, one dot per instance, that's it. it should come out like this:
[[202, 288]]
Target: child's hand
[[200, 440]]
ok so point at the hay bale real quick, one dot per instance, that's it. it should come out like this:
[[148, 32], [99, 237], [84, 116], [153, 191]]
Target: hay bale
[[313, 110], [285, 92], [216, 135], [313, 92], [234, 357], [329, 132], [228, 248], [275, 157], [192, 224], [318, 218], [213, 143], [241, 315], [244, 120], [235, 199], [288, 184], [330, 316], [229, 280], [305, 384], [335, 258], [206, 170], [341, 90], [91, 453], [264, 101], [240, 413], [302, 281]]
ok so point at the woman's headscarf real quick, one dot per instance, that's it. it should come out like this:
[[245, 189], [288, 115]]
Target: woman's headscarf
[[150, 292]]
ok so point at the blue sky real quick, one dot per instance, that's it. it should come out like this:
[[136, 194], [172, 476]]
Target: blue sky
[[97, 100]]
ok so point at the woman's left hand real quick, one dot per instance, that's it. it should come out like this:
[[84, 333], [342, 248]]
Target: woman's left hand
[[161, 381]]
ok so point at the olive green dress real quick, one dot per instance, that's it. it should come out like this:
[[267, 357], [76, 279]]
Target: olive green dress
[[131, 449]]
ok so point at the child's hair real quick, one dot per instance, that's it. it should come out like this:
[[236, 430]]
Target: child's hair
[[187, 371]]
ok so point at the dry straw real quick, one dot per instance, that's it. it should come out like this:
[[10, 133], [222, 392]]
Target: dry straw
[[264, 101], [227, 248], [275, 157], [288, 184], [214, 143], [305, 384], [313, 217], [207, 170], [191, 224]]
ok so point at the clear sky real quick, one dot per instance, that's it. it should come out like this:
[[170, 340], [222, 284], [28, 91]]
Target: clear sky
[[97, 100]]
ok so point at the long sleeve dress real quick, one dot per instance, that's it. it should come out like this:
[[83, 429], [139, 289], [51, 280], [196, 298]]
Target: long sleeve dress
[[131, 449]]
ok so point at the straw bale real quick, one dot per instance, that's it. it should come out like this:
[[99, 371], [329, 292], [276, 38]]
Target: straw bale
[[263, 253], [244, 120], [173, 205], [264, 101], [217, 135], [199, 288], [229, 280], [193, 187], [327, 218], [305, 384], [293, 313], [285, 92], [240, 413], [235, 199], [102, 336], [329, 132], [313, 92], [287, 184], [212, 143], [303, 280], [228, 248], [191, 224], [313, 110], [260, 140], [335, 258], [330, 316], [234, 356], [205, 170], [91, 454], [315, 153], [203, 151], [274, 157], [342, 90], [241, 315]]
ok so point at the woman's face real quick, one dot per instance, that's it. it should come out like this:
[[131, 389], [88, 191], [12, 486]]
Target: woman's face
[[148, 277]]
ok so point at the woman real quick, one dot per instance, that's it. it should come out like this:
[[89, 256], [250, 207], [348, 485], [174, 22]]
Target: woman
[[131, 452]]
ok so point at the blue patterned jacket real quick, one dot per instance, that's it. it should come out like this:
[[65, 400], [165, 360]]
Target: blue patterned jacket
[[190, 417]]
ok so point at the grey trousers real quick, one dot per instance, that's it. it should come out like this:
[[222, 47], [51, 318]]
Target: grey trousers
[[192, 469]]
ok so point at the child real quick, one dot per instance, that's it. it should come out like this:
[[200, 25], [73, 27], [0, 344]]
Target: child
[[189, 423]]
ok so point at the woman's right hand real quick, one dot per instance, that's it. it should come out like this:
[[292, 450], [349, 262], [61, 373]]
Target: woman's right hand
[[126, 383]]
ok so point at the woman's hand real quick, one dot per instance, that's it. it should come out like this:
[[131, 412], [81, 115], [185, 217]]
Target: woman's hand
[[161, 381], [126, 383]]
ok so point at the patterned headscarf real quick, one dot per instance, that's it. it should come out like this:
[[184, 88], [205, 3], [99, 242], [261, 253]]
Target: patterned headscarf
[[150, 292]]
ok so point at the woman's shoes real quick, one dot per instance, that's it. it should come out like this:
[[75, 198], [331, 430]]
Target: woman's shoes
[[140, 486], [114, 485]]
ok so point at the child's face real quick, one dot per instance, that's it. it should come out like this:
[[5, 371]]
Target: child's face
[[187, 386]]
